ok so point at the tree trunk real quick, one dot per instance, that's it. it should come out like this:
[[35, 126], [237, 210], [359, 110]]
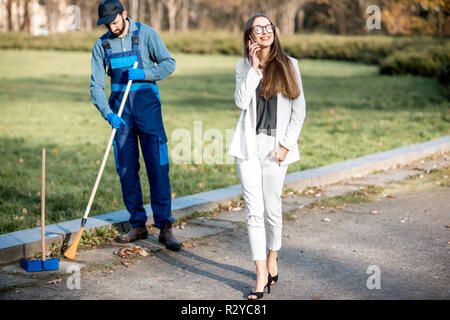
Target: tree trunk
[[143, 12], [86, 9], [51, 12], [439, 19], [300, 20], [193, 12], [287, 14], [172, 9], [156, 13], [135, 10], [9, 5], [184, 25], [341, 16], [26, 17]]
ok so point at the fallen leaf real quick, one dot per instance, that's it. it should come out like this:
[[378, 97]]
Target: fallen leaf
[[326, 220], [341, 207], [136, 250], [25, 211], [374, 212], [390, 196], [121, 253], [21, 160], [187, 245], [56, 281], [143, 253]]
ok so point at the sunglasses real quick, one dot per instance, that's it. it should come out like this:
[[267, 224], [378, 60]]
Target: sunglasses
[[259, 29]]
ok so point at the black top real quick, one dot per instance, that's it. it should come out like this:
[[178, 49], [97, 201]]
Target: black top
[[266, 114]]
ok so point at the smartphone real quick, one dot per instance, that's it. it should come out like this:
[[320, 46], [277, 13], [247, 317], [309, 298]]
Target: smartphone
[[249, 55]]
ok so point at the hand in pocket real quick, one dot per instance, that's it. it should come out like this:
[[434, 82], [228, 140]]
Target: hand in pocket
[[279, 153]]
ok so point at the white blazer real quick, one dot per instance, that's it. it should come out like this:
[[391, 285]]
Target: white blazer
[[290, 114]]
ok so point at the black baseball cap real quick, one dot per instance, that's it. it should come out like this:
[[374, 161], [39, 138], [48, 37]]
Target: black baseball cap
[[108, 10]]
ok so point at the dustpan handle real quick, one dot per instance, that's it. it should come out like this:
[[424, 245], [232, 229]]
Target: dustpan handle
[[43, 206]]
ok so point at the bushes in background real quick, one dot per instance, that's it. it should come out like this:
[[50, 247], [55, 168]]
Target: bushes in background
[[419, 55]]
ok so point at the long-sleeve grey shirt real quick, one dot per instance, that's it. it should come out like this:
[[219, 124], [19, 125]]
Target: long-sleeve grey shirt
[[152, 51]]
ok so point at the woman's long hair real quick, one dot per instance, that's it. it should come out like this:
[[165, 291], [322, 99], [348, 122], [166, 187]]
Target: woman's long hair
[[279, 74]]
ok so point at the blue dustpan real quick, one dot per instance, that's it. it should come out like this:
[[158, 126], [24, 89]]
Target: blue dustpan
[[40, 265]]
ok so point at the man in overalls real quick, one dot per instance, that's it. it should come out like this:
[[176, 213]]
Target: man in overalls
[[117, 50]]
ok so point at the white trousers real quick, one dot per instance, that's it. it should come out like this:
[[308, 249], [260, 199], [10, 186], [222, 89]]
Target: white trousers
[[262, 180]]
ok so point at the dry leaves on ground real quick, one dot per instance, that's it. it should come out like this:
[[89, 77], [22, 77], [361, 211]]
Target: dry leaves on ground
[[125, 253], [235, 205], [316, 191]]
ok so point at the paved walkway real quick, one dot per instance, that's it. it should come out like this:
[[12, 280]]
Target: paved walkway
[[400, 230]]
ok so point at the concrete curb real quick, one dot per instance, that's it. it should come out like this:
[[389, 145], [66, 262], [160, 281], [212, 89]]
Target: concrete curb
[[24, 243]]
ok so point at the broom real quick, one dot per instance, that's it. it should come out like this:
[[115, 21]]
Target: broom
[[72, 250]]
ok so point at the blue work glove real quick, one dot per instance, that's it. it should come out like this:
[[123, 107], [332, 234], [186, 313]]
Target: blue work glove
[[115, 121], [136, 74]]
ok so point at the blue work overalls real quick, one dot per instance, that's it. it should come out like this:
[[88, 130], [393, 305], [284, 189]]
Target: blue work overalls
[[142, 113]]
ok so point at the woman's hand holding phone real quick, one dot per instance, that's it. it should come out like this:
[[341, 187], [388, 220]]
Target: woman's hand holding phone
[[254, 49]]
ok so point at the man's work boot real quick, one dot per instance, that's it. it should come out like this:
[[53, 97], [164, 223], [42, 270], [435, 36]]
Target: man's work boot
[[133, 235], [166, 237]]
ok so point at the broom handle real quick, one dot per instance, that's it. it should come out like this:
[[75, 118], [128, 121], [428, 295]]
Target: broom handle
[[43, 206], [108, 148]]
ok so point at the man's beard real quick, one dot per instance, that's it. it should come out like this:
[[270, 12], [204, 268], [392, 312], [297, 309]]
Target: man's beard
[[121, 30]]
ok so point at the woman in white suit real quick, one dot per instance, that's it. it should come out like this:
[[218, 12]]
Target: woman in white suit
[[269, 91]]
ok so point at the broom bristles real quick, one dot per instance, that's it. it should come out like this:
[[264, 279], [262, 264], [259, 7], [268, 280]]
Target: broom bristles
[[72, 250]]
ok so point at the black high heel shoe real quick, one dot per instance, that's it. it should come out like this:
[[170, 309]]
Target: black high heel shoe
[[259, 295], [274, 278]]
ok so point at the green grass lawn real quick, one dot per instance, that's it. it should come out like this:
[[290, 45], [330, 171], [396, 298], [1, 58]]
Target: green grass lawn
[[45, 103]]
